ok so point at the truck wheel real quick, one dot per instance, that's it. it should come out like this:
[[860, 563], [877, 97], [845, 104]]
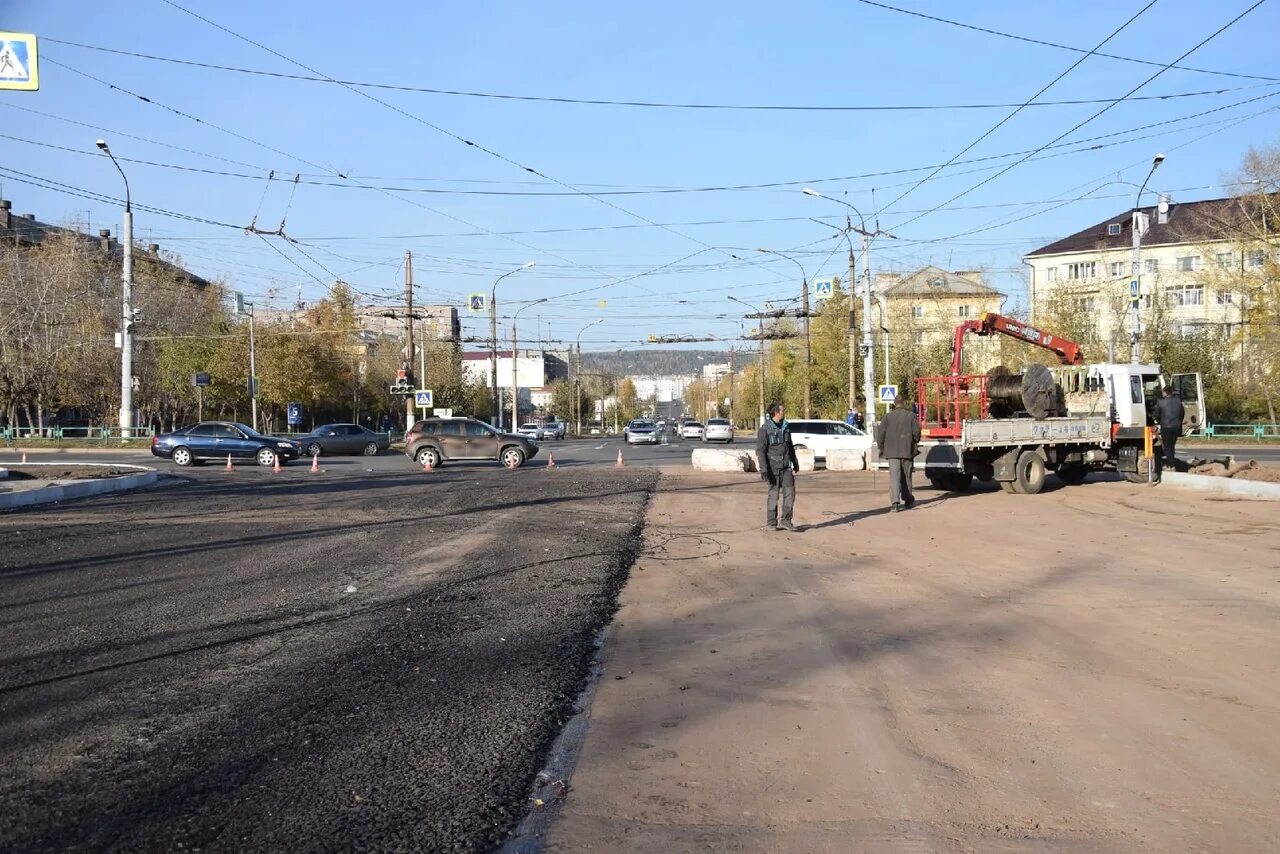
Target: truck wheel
[[1029, 473], [1072, 474], [1008, 486], [960, 482], [1135, 476], [937, 482]]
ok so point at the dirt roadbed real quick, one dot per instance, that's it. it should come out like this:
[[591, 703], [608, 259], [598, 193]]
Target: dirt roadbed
[[1093, 668]]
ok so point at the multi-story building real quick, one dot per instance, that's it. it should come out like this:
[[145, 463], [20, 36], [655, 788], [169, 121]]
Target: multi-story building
[[920, 311], [1197, 260]]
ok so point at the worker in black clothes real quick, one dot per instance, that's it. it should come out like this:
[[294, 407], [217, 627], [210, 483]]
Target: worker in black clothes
[[776, 459], [898, 438], [1169, 415]]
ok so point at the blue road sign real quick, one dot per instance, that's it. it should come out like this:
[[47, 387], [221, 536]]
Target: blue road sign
[[823, 288], [422, 398], [1133, 287], [888, 393], [18, 63], [478, 303], [293, 413]]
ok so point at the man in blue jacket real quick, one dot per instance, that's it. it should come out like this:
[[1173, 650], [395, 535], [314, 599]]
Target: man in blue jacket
[[776, 459]]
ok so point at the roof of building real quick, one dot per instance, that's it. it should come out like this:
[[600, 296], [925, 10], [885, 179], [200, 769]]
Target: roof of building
[[1188, 222], [937, 282]]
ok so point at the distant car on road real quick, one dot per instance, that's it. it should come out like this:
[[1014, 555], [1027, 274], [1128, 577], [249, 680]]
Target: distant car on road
[[640, 432], [692, 430], [216, 440], [555, 429], [533, 431], [717, 430], [330, 439], [821, 436], [439, 440]]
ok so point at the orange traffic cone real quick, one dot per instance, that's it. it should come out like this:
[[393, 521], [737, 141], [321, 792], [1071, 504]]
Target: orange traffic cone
[[315, 463], [551, 460], [276, 468], [229, 466], [619, 463], [24, 457]]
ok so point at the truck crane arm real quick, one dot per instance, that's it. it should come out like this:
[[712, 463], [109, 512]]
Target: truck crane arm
[[990, 323]]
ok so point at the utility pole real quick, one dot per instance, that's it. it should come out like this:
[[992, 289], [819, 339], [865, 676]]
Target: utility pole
[[126, 300], [408, 326], [253, 370], [493, 344], [1140, 223], [731, 395], [808, 349]]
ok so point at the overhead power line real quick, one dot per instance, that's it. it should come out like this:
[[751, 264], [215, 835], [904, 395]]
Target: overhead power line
[[364, 84]]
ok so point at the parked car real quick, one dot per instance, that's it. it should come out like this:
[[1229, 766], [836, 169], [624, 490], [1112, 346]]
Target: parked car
[[717, 430], [692, 430], [640, 432], [331, 439], [215, 440], [555, 429], [439, 440], [533, 431], [595, 428], [822, 436]]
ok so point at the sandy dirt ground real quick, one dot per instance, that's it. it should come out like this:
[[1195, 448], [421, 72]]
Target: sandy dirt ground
[[1091, 669]]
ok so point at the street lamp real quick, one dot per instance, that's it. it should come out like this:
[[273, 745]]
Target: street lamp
[[760, 363], [577, 375], [868, 352], [126, 298], [1141, 222], [808, 341], [493, 341], [515, 387]]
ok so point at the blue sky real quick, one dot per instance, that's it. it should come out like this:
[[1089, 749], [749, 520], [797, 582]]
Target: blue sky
[[487, 214]]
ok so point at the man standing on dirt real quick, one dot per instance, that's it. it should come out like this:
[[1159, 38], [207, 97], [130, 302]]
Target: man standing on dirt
[[1169, 415], [898, 438], [776, 459]]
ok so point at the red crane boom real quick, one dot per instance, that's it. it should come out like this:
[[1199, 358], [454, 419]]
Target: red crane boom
[[990, 323]]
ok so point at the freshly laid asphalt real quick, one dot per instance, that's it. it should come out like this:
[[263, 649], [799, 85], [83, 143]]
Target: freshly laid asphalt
[[369, 658]]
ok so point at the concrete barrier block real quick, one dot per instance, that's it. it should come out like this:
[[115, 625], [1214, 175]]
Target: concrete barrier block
[[846, 459], [805, 457], [716, 459]]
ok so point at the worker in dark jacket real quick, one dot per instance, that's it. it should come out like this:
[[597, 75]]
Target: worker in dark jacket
[[898, 438], [1169, 415], [776, 459]]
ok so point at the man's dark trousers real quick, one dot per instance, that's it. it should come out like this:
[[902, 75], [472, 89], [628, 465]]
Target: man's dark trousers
[[1169, 442], [900, 472], [784, 482]]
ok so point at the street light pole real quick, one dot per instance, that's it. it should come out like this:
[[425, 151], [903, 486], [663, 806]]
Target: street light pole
[[1140, 223], [577, 376], [515, 386], [126, 299], [760, 358], [868, 349], [493, 342], [808, 341]]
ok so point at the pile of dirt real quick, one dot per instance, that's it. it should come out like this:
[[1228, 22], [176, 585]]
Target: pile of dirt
[[67, 472], [1228, 467], [1265, 474]]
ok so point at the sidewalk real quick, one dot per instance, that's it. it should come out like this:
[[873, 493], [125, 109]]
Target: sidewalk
[[986, 672]]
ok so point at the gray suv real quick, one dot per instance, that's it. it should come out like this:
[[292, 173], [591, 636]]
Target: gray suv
[[438, 440]]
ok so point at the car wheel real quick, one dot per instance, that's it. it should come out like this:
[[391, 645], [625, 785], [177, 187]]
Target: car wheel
[[512, 457], [1029, 473], [312, 450], [182, 456], [428, 457], [265, 457], [371, 449]]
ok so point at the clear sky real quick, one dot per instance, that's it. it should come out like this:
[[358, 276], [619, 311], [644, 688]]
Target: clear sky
[[619, 205]]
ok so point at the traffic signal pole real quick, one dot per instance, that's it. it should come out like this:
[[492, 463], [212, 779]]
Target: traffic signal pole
[[408, 325]]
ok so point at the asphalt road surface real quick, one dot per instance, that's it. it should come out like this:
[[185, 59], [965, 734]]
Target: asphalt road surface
[[352, 660]]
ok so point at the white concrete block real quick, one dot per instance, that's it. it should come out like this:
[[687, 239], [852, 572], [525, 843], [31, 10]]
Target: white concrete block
[[846, 459], [804, 456], [717, 459]]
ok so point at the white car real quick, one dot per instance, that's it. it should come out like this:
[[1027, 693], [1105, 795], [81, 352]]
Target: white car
[[692, 430], [717, 430], [641, 432], [821, 436], [532, 431]]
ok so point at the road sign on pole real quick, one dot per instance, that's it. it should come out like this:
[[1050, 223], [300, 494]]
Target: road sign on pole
[[293, 414], [422, 398], [888, 394], [18, 62], [823, 288], [477, 303]]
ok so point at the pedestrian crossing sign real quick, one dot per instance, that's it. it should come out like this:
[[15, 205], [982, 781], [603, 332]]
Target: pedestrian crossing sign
[[18, 67], [823, 288], [888, 393], [423, 398], [476, 304]]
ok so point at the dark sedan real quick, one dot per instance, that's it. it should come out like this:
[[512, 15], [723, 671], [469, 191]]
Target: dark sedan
[[343, 439], [216, 440]]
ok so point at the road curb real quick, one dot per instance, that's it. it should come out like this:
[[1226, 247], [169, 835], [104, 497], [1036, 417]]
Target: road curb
[[1224, 485], [81, 489]]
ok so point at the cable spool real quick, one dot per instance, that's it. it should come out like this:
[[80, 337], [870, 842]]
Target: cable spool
[[1034, 392]]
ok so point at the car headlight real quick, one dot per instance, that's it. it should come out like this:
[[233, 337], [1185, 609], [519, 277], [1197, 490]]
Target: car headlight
[[284, 444]]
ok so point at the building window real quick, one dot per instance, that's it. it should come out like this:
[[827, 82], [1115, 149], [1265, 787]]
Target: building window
[[1117, 269], [1224, 260], [1185, 295], [1085, 304], [1256, 258], [963, 311], [917, 311], [1152, 265], [1188, 263], [1051, 274], [1113, 229], [1083, 270], [1224, 297], [917, 337]]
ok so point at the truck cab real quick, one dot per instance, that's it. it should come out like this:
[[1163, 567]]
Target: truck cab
[[1128, 393]]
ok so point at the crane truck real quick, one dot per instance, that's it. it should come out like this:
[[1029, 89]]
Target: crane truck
[[1071, 420]]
